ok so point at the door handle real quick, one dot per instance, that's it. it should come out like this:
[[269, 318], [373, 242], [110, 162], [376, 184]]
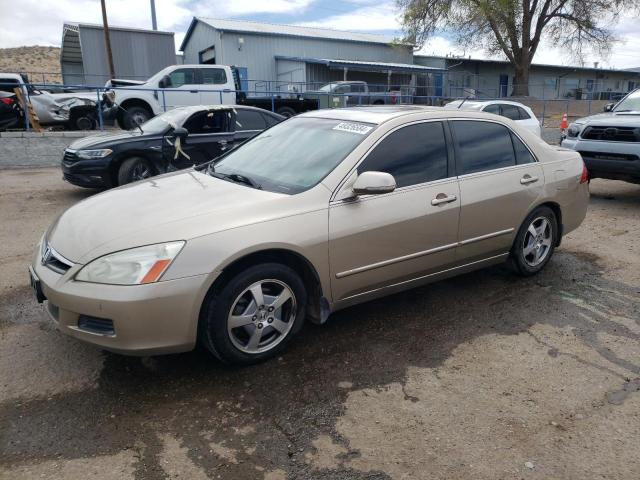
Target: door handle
[[222, 142], [193, 91], [527, 179], [443, 198]]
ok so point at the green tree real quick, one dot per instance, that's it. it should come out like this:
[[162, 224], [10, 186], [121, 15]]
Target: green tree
[[516, 28]]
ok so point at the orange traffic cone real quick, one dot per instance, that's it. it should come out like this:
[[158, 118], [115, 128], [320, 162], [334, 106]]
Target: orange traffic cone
[[564, 124]]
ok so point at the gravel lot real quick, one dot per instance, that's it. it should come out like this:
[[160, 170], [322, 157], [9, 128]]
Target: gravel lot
[[484, 376]]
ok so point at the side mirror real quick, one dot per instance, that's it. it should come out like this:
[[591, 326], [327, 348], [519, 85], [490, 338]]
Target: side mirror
[[609, 106], [180, 133], [374, 183], [164, 82]]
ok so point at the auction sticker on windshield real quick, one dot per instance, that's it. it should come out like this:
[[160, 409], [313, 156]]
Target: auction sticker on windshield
[[351, 127]]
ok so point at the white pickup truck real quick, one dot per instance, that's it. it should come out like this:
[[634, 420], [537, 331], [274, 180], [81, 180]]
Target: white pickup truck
[[174, 86]]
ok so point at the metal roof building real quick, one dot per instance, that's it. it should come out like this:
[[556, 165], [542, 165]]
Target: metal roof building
[[494, 78], [137, 53], [273, 57]]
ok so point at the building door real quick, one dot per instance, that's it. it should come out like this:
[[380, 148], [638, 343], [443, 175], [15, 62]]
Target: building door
[[504, 85], [438, 84]]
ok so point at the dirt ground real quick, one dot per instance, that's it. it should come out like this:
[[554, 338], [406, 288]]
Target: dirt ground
[[484, 376]]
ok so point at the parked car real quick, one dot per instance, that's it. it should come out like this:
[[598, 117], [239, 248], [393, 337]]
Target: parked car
[[72, 110], [205, 132], [609, 142], [11, 114], [325, 210], [519, 113]]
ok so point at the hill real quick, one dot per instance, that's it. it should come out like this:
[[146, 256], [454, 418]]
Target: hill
[[42, 64]]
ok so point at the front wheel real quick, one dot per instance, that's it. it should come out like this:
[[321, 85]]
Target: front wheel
[[535, 243], [134, 169], [253, 317], [135, 116]]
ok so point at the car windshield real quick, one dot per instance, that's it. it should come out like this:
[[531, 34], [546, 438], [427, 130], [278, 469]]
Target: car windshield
[[630, 104], [160, 124], [293, 156]]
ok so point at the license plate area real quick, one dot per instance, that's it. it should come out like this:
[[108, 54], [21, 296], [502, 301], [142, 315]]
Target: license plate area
[[36, 286]]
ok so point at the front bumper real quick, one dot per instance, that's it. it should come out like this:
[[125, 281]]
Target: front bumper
[[87, 173], [612, 160], [156, 318]]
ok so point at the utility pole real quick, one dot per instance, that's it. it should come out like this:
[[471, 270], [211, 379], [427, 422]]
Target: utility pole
[[154, 23], [107, 39]]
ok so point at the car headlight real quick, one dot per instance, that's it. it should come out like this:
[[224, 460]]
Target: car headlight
[[91, 154], [573, 130], [135, 266]]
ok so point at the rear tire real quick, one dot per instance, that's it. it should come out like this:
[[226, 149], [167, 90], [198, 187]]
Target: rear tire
[[535, 243], [254, 316], [135, 169], [287, 112]]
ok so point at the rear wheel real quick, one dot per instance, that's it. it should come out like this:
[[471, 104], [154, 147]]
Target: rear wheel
[[253, 317], [134, 169], [135, 116], [535, 242], [286, 112]]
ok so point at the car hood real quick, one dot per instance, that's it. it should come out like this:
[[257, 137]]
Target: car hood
[[99, 139], [612, 119], [177, 206]]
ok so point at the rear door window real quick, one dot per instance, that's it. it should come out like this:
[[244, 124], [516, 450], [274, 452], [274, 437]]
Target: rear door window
[[510, 111], [523, 114], [249, 120], [495, 109], [482, 146], [523, 155], [413, 154]]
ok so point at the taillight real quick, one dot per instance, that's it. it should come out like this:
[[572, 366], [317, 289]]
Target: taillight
[[584, 178], [6, 101]]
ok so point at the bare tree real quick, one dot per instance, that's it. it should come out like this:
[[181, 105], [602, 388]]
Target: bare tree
[[515, 28]]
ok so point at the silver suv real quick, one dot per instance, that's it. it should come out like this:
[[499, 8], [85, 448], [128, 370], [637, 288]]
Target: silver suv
[[609, 142]]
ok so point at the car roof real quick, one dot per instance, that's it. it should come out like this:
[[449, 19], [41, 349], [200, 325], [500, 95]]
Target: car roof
[[381, 114], [201, 108], [471, 104]]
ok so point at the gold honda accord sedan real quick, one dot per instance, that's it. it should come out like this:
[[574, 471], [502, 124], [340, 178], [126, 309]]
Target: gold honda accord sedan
[[328, 209]]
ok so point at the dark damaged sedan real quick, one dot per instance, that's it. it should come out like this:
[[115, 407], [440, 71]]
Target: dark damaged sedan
[[177, 139]]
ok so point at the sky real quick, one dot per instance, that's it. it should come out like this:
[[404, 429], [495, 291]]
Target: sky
[[33, 24]]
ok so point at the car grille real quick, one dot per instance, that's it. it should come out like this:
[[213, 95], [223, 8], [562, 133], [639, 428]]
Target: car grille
[[69, 157], [609, 156], [101, 326], [54, 261], [612, 134]]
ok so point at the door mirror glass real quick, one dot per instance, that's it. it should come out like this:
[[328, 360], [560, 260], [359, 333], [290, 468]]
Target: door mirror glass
[[374, 183], [609, 106], [180, 133]]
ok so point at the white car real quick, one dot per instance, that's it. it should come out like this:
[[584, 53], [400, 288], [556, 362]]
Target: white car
[[519, 113]]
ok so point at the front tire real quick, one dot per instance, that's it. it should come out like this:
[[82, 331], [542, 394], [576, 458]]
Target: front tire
[[254, 315], [135, 169], [535, 243]]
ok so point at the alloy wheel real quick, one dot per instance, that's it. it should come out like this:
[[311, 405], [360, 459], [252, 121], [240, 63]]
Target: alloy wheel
[[537, 241], [140, 172], [261, 316]]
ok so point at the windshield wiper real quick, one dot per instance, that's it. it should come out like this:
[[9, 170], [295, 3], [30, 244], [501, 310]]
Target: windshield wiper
[[235, 177]]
